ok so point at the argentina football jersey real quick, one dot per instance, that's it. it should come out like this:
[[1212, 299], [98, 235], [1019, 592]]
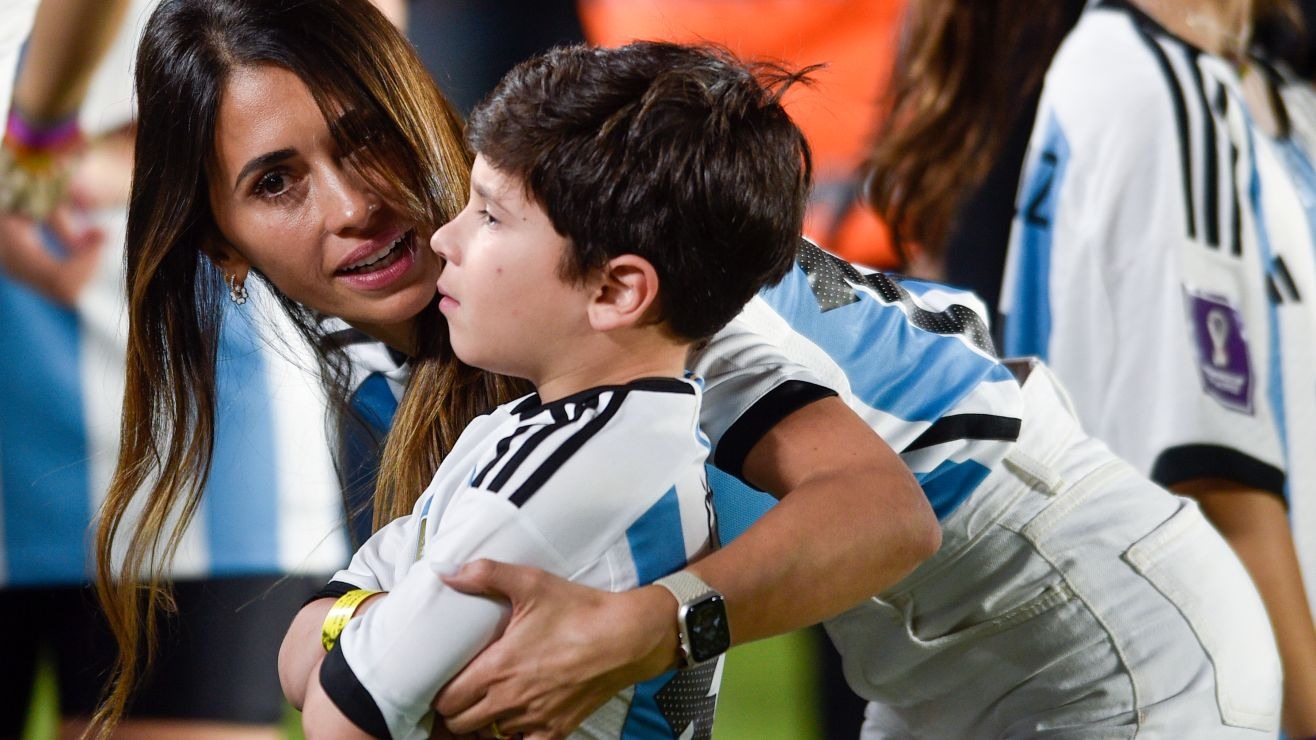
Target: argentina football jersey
[[605, 487], [1162, 262]]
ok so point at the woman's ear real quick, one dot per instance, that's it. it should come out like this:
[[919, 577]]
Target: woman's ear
[[626, 291], [226, 258]]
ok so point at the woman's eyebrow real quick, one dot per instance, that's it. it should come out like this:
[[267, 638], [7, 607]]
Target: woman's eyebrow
[[261, 162]]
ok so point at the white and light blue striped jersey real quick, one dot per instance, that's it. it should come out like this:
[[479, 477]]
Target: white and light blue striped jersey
[[1162, 263], [272, 504], [912, 358], [605, 487]]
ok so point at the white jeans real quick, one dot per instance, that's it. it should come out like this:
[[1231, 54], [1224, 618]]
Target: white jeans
[[1071, 597]]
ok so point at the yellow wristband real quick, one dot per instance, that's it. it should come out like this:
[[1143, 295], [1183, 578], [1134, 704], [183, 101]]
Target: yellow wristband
[[340, 614]]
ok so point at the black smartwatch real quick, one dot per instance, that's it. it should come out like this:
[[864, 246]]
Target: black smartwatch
[[701, 618]]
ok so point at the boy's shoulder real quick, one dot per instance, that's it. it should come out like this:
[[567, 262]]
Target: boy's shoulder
[[602, 428]]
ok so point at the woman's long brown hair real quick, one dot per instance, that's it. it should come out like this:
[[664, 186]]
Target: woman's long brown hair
[[963, 70], [348, 55]]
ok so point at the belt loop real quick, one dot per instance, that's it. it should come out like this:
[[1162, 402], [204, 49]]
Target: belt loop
[[1034, 472]]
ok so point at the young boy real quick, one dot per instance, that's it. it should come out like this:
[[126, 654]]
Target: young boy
[[624, 205]]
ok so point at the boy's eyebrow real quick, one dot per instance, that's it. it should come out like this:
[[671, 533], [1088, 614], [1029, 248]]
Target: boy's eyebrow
[[484, 193], [261, 162]]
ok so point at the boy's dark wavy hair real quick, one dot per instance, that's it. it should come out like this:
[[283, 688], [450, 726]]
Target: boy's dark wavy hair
[[679, 154]]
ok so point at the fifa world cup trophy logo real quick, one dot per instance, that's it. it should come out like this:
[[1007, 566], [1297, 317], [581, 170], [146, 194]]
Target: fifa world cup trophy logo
[[1217, 328]]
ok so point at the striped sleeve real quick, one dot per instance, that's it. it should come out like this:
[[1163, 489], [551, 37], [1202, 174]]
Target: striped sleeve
[[913, 359]]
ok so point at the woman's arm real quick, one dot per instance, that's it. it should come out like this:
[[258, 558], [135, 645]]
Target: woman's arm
[[848, 506]]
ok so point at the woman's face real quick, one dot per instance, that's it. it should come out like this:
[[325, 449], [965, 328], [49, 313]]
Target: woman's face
[[288, 203]]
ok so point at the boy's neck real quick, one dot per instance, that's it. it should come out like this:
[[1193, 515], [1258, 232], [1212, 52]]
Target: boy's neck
[[614, 358]]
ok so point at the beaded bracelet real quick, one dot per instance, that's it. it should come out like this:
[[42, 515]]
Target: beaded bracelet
[[35, 163]]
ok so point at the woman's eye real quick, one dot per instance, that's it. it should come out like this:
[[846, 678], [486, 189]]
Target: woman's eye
[[271, 184], [487, 218]]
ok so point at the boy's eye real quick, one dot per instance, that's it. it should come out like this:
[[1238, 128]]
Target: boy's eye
[[486, 217]]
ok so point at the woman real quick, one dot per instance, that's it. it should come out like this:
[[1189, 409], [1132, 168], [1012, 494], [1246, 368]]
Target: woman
[[1161, 146], [330, 209], [63, 366]]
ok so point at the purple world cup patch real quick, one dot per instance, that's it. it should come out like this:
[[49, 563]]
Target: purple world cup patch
[[1221, 351]]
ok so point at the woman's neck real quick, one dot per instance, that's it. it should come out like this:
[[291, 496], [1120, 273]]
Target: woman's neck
[[1219, 27], [401, 337]]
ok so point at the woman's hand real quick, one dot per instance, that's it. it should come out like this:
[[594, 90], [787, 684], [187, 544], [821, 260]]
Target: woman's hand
[[567, 649], [24, 256], [100, 178]]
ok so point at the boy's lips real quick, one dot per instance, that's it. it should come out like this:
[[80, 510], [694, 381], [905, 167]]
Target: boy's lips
[[446, 301]]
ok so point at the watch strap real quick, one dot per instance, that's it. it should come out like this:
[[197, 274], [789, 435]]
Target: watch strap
[[685, 586]]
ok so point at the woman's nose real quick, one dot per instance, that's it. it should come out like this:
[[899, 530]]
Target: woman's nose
[[351, 203]]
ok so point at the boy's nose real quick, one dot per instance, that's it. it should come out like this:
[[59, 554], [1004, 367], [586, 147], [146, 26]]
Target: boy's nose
[[444, 242]]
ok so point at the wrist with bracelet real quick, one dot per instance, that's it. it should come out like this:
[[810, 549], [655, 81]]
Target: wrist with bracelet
[[35, 161], [340, 614]]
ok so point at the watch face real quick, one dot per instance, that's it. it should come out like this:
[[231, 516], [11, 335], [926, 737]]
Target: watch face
[[706, 623]]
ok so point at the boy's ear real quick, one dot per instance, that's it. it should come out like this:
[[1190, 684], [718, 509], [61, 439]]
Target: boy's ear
[[226, 258], [627, 289]]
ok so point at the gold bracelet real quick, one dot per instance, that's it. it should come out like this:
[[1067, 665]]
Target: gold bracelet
[[340, 614]]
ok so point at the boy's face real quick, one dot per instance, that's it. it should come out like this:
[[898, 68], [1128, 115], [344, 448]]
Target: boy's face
[[508, 311]]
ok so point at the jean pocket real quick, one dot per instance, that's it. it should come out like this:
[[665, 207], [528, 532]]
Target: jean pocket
[[921, 633], [1192, 566]]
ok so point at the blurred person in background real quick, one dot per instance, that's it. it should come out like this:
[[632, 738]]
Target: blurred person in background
[[944, 164], [1163, 261], [273, 506]]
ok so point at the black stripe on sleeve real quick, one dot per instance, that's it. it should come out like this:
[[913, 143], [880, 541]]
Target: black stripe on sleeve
[[746, 432], [559, 457], [967, 426], [1211, 176], [331, 590], [1181, 117], [347, 693], [1186, 462]]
